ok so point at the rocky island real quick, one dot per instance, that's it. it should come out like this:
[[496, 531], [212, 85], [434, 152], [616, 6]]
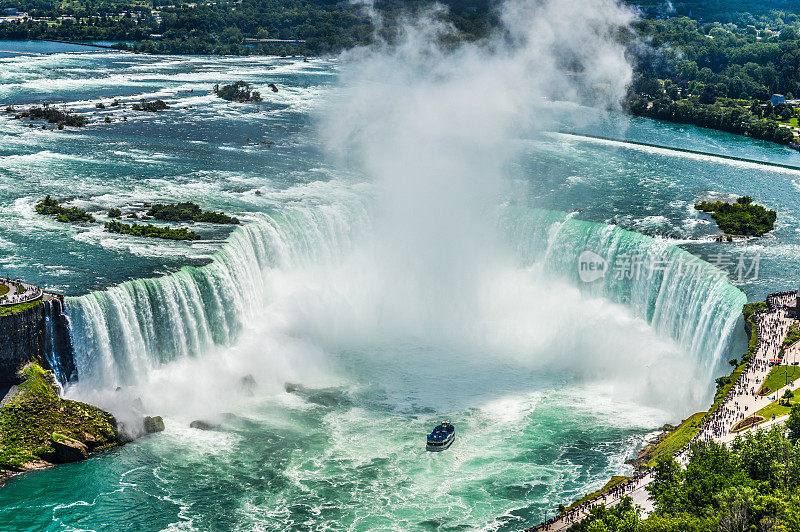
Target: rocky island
[[740, 218], [237, 92], [50, 207], [188, 212], [39, 429], [151, 231]]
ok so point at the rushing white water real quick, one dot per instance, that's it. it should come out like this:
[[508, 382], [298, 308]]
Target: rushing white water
[[678, 294], [122, 334]]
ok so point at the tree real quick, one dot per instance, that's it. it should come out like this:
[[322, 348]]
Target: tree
[[708, 96], [793, 423], [666, 489]]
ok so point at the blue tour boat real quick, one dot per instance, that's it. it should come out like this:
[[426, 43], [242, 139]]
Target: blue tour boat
[[442, 437]]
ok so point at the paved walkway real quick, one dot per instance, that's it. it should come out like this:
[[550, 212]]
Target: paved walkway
[[19, 292], [742, 401]]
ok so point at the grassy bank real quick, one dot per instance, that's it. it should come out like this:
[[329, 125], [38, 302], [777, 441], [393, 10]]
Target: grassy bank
[[36, 419], [673, 441], [779, 377], [5, 311], [615, 480]]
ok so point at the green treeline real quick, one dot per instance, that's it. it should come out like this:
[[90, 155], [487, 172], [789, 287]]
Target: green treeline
[[224, 26], [740, 218], [151, 231], [721, 76], [722, 115], [752, 485]]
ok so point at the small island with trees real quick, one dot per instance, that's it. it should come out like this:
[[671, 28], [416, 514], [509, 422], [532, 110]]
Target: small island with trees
[[51, 114], [237, 92], [50, 207], [176, 212], [153, 106], [188, 212], [150, 231], [740, 218]]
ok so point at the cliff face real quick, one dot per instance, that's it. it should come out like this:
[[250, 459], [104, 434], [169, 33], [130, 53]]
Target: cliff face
[[21, 341], [38, 334]]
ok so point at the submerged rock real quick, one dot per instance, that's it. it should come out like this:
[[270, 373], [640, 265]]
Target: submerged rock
[[292, 387], [153, 424], [203, 425], [248, 384], [328, 397]]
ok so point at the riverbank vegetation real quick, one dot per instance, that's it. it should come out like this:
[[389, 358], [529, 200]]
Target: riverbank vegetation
[[752, 485], [38, 427], [614, 482], [238, 92], [50, 207], [151, 231], [735, 71], [188, 212], [740, 218]]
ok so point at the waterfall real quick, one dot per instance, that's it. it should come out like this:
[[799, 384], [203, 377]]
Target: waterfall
[[57, 345], [678, 294], [120, 334]]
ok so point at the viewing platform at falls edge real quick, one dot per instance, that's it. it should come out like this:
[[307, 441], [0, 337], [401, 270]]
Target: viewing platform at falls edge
[[15, 292]]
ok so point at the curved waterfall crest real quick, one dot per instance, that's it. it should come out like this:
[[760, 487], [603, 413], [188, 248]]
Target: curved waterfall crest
[[678, 294], [121, 333]]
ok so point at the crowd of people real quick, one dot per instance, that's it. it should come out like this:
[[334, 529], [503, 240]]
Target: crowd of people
[[18, 292], [773, 324]]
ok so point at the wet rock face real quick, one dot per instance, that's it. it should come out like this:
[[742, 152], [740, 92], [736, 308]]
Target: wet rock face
[[68, 450], [29, 335], [153, 424], [22, 336], [247, 385]]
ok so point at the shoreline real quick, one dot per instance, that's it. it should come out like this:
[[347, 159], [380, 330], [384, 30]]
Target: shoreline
[[696, 426]]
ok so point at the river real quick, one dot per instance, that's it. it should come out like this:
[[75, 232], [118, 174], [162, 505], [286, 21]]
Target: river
[[552, 382]]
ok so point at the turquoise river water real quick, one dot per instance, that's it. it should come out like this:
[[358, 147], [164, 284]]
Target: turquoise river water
[[383, 326]]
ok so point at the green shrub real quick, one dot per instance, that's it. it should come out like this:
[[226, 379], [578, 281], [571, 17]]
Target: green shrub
[[51, 207], [151, 231]]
